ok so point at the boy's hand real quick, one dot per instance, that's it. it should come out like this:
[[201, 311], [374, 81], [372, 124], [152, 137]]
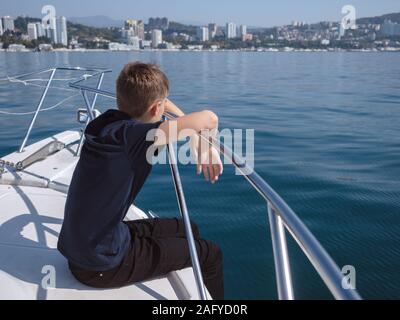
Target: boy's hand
[[208, 159]]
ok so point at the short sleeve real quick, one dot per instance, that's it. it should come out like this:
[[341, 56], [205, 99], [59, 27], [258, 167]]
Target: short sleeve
[[139, 138]]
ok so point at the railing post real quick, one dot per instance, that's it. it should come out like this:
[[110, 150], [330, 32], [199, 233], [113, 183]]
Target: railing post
[[21, 149], [188, 227], [99, 83], [87, 103], [281, 256]]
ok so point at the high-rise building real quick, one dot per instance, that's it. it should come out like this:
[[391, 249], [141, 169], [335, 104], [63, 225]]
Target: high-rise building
[[32, 31], [202, 34], [156, 38], [134, 28], [212, 30], [8, 23], [159, 23], [61, 31], [390, 28], [40, 30], [52, 30], [1, 27], [231, 30], [243, 30]]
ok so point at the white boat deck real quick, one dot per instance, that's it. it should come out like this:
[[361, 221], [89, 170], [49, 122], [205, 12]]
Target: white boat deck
[[31, 214]]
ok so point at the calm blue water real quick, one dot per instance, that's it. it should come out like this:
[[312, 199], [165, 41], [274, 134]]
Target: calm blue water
[[327, 139]]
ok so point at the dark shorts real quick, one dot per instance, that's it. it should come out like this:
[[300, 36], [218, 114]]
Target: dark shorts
[[158, 247]]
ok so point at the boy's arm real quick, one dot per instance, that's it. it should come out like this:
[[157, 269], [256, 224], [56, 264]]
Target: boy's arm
[[209, 162], [185, 125]]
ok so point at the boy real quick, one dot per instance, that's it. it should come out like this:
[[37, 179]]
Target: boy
[[102, 250]]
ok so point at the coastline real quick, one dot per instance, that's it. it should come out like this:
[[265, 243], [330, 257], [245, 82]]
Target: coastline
[[268, 50]]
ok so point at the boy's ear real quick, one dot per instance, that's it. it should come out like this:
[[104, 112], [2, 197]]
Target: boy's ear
[[154, 109]]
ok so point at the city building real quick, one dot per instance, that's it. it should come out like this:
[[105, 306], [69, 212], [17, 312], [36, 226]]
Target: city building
[[45, 47], [40, 30], [203, 34], [134, 42], [212, 30], [8, 23], [145, 44], [247, 37], [32, 31], [159, 23], [390, 28], [115, 46], [133, 28], [51, 31], [74, 44], [16, 48], [61, 31], [156, 38], [167, 46], [325, 42], [195, 47], [1, 28], [243, 30], [231, 30], [220, 31]]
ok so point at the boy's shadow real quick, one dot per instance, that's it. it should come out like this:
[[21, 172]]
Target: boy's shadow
[[25, 259]]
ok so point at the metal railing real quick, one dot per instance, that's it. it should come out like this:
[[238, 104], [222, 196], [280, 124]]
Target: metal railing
[[281, 216]]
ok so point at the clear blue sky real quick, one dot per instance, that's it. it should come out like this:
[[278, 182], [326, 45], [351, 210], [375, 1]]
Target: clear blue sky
[[250, 12]]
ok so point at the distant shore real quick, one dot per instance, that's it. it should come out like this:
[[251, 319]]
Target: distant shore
[[288, 49]]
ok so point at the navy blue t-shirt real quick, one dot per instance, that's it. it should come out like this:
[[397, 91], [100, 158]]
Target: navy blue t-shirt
[[112, 169]]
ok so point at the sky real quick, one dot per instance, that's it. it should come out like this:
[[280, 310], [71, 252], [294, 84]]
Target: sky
[[250, 12]]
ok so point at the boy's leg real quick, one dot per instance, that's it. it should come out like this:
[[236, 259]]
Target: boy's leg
[[150, 258], [160, 256], [161, 228], [175, 255]]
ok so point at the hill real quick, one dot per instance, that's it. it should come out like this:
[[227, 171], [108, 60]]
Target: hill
[[75, 30], [97, 21], [394, 17]]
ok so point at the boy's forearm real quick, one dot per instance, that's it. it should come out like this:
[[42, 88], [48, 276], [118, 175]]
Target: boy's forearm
[[211, 124], [173, 108]]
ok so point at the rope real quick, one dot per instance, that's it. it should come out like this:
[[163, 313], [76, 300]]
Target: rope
[[15, 79], [26, 83], [42, 110], [25, 74], [38, 80]]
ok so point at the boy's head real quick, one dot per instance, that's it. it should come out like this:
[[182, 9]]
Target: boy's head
[[141, 91]]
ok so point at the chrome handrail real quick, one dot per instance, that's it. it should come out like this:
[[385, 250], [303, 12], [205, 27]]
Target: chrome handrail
[[186, 220], [281, 218]]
